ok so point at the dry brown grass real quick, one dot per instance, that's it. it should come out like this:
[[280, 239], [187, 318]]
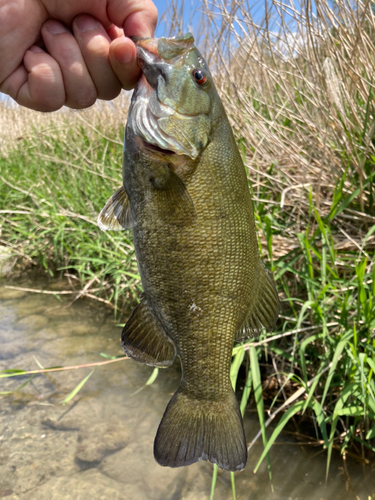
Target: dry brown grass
[[18, 123], [298, 87]]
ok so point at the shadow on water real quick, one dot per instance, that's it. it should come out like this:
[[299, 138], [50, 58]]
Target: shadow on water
[[100, 445]]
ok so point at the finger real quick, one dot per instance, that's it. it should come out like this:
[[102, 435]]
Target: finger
[[123, 58], [94, 43], [61, 45], [115, 32], [37, 83], [137, 17]]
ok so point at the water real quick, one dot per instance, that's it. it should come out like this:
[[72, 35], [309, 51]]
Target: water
[[100, 445]]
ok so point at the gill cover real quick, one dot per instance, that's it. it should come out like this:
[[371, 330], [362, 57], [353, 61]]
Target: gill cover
[[170, 108]]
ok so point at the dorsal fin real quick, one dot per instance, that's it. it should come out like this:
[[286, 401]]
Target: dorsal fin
[[265, 308]]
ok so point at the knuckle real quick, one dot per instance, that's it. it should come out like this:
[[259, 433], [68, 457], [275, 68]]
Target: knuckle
[[83, 100], [47, 107], [109, 94]]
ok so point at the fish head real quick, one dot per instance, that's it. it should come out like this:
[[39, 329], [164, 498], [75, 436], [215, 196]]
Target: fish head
[[173, 107]]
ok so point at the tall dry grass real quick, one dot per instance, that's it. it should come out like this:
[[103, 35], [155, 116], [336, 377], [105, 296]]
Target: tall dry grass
[[19, 124], [297, 81]]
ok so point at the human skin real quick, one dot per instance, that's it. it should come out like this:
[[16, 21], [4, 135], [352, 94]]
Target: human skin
[[70, 52]]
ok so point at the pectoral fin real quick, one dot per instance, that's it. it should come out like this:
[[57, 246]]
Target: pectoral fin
[[264, 309], [173, 197], [144, 340], [115, 215]]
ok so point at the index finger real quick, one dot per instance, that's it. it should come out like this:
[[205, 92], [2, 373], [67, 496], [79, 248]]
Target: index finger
[[136, 17]]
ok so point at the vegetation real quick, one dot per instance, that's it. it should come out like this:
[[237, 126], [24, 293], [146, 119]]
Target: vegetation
[[299, 89]]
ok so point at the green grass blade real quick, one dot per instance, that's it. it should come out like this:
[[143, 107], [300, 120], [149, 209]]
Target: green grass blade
[[150, 381], [281, 424], [349, 389], [338, 351], [213, 483], [20, 387], [257, 385], [233, 485], [246, 393], [318, 410], [235, 366], [76, 390]]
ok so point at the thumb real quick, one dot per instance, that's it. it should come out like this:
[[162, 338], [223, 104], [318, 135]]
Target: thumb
[[137, 18], [123, 59]]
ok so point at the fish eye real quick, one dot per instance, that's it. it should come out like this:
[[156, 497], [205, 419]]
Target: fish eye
[[199, 76]]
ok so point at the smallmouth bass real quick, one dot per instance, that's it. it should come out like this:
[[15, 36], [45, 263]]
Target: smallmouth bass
[[186, 197]]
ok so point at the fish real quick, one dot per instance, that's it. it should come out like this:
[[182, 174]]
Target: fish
[[186, 197]]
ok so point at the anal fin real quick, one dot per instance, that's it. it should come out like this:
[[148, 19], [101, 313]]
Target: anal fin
[[264, 310], [144, 340]]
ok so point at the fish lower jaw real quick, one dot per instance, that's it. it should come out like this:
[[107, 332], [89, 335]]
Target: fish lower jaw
[[158, 152], [157, 149]]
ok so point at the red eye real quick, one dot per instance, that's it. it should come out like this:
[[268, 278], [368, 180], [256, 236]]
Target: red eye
[[199, 76]]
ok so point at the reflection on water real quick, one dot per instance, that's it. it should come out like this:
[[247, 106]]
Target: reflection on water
[[100, 445]]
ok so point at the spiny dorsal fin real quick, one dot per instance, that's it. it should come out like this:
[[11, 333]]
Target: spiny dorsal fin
[[174, 198], [144, 340], [264, 309], [116, 216]]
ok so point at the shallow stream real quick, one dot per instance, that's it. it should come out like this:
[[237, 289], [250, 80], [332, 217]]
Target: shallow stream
[[99, 446]]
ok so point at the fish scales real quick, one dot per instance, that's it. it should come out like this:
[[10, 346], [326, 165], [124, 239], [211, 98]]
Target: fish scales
[[186, 198]]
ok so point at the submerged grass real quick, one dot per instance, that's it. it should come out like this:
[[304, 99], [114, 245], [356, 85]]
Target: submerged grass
[[298, 87]]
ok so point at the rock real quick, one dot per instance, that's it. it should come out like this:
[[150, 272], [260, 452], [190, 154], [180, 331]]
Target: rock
[[33, 322], [72, 346], [7, 261], [33, 304], [191, 482], [87, 485], [84, 329], [34, 455], [11, 350], [60, 312], [61, 425], [10, 294], [5, 492], [99, 441]]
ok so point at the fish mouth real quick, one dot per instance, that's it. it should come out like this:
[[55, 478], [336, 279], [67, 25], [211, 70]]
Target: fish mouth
[[158, 149], [149, 61]]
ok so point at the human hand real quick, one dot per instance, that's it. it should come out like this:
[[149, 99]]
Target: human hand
[[70, 52]]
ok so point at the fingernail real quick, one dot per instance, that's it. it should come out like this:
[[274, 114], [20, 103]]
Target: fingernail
[[55, 28], [86, 23], [123, 53]]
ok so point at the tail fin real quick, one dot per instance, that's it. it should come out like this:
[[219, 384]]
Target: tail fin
[[193, 429]]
